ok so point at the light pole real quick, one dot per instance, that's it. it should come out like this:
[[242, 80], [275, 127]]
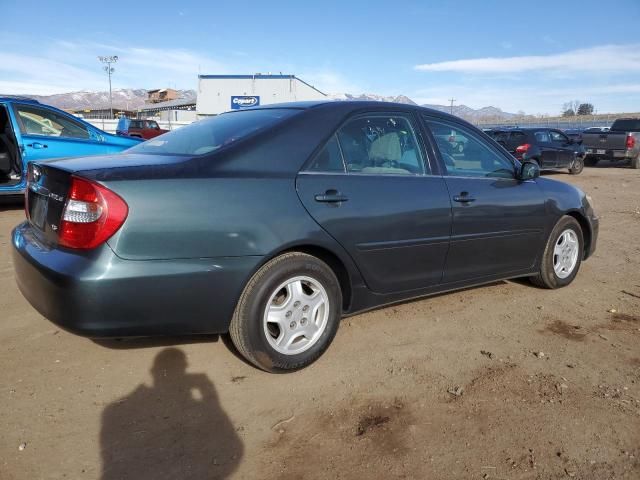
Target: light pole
[[109, 69], [452, 100]]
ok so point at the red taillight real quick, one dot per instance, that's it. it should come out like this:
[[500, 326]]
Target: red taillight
[[523, 148], [91, 215], [631, 142]]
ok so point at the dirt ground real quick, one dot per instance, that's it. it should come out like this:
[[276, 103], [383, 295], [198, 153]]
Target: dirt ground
[[546, 384]]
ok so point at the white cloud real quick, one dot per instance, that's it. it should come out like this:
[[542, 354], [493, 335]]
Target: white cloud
[[624, 97], [66, 66], [606, 58]]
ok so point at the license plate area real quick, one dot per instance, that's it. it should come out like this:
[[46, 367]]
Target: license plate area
[[38, 206], [600, 151]]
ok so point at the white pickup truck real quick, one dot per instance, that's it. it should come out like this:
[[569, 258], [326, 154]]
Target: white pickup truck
[[621, 142]]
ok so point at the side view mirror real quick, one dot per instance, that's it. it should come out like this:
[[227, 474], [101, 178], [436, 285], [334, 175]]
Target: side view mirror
[[529, 171]]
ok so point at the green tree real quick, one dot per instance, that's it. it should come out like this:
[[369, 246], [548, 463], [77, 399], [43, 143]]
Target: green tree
[[568, 112], [585, 109]]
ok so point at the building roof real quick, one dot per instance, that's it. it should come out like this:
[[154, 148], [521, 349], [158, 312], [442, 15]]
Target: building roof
[[177, 104], [260, 76]]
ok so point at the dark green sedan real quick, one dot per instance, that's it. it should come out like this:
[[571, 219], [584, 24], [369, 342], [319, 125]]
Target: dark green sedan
[[272, 223]]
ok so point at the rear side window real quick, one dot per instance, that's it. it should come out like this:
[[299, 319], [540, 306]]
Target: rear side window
[[206, 136], [329, 159], [475, 159]]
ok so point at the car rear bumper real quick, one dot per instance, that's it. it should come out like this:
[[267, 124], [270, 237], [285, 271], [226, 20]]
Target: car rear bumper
[[613, 154], [98, 294]]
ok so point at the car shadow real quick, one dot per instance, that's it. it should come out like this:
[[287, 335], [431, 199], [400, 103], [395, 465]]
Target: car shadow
[[134, 343], [130, 343], [610, 164], [174, 428], [9, 205]]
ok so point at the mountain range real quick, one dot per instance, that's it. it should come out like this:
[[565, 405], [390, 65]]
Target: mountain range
[[125, 98], [458, 110], [132, 99]]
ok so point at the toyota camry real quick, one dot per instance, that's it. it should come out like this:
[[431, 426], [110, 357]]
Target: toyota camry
[[272, 223]]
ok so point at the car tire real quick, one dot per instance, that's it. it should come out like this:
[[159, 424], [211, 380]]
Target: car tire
[[561, 259], [635, 162], [274, 327], [578, 166], [590, 161]]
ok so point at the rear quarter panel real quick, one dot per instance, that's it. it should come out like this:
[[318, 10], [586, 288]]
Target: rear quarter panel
[[213, 217]]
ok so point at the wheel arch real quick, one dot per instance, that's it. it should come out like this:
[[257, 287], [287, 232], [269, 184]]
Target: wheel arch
[[335, 263], [586, 230]]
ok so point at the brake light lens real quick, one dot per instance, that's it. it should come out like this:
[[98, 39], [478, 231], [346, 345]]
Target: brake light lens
[[631, 142], [92, 215], [523, 148]]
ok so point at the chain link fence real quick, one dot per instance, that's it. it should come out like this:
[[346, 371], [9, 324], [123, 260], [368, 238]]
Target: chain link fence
[[574, 122]]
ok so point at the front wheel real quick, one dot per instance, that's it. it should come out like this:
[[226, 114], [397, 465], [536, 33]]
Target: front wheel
[[288, 314], [577, 167], [562, 255]]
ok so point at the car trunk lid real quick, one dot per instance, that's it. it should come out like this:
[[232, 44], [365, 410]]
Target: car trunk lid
[[45, 196]]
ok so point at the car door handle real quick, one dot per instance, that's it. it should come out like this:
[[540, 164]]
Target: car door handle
[[37, 145], [331, 196], [463, 198]]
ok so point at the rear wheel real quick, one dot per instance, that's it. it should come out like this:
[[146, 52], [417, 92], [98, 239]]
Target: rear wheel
[[635, 162], [577, 167], [562, 255], [288, 313]]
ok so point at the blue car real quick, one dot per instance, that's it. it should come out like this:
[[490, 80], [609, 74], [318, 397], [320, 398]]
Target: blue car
[[31, 131]]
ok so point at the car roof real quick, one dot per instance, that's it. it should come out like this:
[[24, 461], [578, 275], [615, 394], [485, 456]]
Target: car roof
[[348, 106], [19, 98]]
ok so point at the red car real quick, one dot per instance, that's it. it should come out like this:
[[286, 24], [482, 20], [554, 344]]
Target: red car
[[145, 129]]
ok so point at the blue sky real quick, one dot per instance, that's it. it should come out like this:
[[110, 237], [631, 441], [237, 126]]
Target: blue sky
[[531, 56]]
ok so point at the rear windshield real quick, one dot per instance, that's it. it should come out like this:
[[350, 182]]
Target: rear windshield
[[206, 136], [630, 125]]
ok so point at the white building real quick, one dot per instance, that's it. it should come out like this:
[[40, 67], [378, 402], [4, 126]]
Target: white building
[[221, 93]]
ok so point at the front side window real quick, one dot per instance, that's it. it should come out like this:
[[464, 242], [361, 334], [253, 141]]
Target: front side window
[[206, 136], [475, 159], [542, 137], [558, 137], [380, 144], [41, 121]]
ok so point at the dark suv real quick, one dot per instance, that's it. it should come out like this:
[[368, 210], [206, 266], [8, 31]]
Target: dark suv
[[551, 149]]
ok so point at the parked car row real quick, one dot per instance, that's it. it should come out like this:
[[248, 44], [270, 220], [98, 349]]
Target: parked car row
[[550, 148], [621, 141]]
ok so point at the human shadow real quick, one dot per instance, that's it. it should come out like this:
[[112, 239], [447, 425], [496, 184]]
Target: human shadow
[[173, 429]]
